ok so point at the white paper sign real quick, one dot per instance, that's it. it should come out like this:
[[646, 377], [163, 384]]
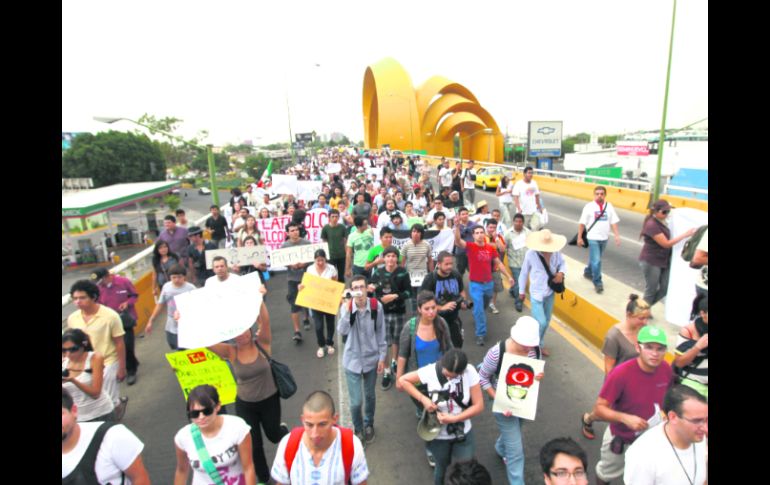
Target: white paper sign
[[333, 168], [374, 171], [284, 184], [519, 241], [297, 254], [216, 313], [308, 189], [517, 389], [417, 277], [682, 278], [243, 256]]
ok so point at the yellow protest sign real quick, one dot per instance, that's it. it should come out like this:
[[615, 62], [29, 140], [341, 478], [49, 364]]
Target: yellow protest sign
[[320, 294], [202, 366]]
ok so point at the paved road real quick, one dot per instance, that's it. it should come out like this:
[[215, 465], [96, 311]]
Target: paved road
[[156, 408]]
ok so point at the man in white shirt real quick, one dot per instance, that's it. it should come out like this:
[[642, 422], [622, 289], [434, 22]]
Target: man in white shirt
[[468, 176], [602, 216], [438, 206], [444, 174], [675, 451], [526, 196], [119, 454], [221, 274]]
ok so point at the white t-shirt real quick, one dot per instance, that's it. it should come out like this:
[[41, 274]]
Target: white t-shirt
[[329, 271], [467, 182], [223, 450], [526, 193], [506, 196], [600, 231], [214, 280], [167, 295], [445, 176], [118, 451], [449, 213], [469, 378], [330, 470], [651, 461], [419, 203]]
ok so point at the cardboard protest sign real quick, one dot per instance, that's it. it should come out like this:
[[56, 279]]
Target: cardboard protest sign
[[320, 294], [682, 278], [443, 240], [296, 254], [241, 256], [517, 390], [284, 184], [218, 312], [201, 366]]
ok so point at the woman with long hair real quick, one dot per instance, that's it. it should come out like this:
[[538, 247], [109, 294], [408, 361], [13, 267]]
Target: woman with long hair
[[264, 213], [248, 229], [655, 258], [504, 193], [220, 435], [336, 198], [322, 269], [620, 346], [162, 260], [83, 376]]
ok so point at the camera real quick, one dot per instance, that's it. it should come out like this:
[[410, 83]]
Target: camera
[[348, 294], [65, 373], [458, 430], [469, 304]]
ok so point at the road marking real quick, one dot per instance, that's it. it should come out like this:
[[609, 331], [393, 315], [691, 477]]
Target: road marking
[[577, 344], [346, 418]]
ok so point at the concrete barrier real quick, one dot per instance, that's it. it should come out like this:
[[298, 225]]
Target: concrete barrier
[[623, 198], [677, 201], [145, 304]]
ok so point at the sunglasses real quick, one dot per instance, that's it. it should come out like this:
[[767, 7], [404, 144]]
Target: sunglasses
[[74, 348], [193, 414], [666, 211]]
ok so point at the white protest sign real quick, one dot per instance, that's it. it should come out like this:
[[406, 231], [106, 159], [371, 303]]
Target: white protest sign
[[682, 278], [443, 240], [296, 254], [218, 312], [308, 189], [333, 168], [417, 277], [374, 171], [241, 256], [284, 184], [517, 388]]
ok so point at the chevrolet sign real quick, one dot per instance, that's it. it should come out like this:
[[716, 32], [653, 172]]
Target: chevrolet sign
[[545, 139]]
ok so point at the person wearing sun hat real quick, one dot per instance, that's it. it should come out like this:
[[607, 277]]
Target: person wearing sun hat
[[524, 341], [543, 248], [631, 399]]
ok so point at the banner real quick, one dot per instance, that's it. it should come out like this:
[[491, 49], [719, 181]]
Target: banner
[[219, 312], [297, 254], [320, 294], [201, 366], [273, 230], [517, 390], [682, 278], [284, 184], [443, 240], [241, 256], [309, 189], [374, 171], [333, 168]]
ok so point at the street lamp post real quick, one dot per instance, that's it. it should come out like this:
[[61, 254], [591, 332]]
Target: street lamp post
[[662, 136], [208, 148]]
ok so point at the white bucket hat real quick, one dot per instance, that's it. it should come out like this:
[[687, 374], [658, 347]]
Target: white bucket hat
[[526, 331]]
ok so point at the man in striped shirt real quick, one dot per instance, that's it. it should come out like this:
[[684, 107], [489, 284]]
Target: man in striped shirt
[[417, 259]]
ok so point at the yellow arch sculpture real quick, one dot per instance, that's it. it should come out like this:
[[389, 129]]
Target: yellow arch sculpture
[[427, 118]]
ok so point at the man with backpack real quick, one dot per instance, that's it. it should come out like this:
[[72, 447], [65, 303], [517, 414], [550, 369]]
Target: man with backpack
[[337, 454], [98, 452], [362, 323]]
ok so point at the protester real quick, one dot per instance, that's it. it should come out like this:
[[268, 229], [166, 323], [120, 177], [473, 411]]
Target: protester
[[162, 260], [516, 249], [497, 240], [599, 216], [171, 289], [248, 229], [504, 195], [218, 227], [83, 376], [562, 458], [175, 236], [294, 276], [335, 235], [375, 258], [466, 234], [526, 196], [327, 271], [447, 284], [360, 241], [197, 270], [417, 259], [692, 351]]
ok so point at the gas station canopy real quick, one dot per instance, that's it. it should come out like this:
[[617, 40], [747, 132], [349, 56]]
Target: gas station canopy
[[89, 202]]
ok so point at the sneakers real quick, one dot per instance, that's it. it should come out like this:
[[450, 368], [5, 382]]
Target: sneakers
[[493, 308], [480, 340], [131, 379], [306, 325], [320, 353], [329, 350], [519, 306], [599, 288], [369, 435], [120, 409], [587, 276], [393, 367], [431, 458], [297, 337], [387, 380], [587, 428]]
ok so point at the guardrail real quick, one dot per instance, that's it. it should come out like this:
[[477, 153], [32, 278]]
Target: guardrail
[[692, 190]]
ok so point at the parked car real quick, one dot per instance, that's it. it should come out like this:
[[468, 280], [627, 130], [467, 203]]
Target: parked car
[[489, 177], [204, 191]]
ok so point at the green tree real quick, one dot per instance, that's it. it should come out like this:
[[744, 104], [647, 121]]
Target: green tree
[[172, 201], [114, 157], [201, 162], [568, 144]]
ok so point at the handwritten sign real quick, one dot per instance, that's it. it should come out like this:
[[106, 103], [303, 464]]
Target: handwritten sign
[[320, 294], [218, 312], [374, 171], [417, 277], [201, 366], [284, 184], [273, 230], [296, 254], [309, 189], [241, 256], [333, 168], [517, 389]]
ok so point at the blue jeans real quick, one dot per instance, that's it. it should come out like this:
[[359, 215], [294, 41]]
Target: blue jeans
[[542, 311], [447, 451], [368, 379], [514, 291], [510, 447], [594, 268], [481, 294]]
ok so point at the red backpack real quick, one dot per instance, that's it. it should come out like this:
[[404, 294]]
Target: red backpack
[[346, 435]]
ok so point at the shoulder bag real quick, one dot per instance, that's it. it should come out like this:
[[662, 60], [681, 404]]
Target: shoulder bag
[[204, 456], [284, 380], [573, 241], [556, 287]]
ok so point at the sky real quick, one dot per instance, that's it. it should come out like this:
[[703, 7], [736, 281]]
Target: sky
[[229, 67]]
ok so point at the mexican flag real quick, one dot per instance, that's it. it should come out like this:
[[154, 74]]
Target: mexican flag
[[266, 174]]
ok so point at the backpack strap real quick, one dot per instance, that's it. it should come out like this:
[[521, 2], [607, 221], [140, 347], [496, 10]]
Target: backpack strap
[[292, 446], [203, 455], [348, 451], [86, 467], [374, 308], [501, 352]]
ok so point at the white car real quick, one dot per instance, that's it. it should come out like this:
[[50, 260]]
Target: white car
[[204, 191]]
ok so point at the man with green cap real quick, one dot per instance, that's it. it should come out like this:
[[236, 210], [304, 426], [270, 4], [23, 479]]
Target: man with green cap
[[631, 400]]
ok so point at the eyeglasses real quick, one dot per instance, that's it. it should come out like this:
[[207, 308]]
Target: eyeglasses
[[74, 348], [564, 474], [356, 288], [665, 211], [193, 414], [696, 422]]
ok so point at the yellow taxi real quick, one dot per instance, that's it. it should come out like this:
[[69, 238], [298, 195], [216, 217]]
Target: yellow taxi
[[489, 177]]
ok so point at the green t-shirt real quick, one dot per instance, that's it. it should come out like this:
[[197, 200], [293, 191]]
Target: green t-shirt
[[335, 236], [361, 244], [376, 251], [414, 220]]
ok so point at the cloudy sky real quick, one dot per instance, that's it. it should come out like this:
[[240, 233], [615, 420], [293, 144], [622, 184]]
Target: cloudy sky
[[228, 67]]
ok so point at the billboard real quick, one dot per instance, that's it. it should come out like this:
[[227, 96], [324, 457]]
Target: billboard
[[544, 138], [633, 147]]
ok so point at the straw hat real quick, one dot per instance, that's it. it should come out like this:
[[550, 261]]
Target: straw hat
[[545, 241], [481, 204]]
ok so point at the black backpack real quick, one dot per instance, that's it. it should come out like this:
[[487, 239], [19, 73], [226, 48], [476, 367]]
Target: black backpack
[[85, 472], [501, 345], [458, 398]]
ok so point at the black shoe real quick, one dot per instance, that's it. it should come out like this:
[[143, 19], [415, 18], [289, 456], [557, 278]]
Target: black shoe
[[387, 381], [369, 434], [519, 307], [131, 379], [306, 325], [599, 288], [588, 276], [393, 367], [480, 340], [297, 337]]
